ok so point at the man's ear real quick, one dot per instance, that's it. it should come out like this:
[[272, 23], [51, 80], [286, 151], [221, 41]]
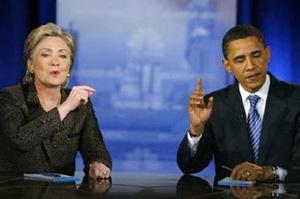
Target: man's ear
[[226, 65]]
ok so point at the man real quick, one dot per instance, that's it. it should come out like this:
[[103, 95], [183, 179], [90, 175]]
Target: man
[[252, 126]]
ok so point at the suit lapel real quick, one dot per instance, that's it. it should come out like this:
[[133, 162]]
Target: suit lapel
[[274, 111], [238, 119], [70, 118]]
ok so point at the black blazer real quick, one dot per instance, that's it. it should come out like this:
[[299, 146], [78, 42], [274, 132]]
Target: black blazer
[[226, 136], [32, 140]]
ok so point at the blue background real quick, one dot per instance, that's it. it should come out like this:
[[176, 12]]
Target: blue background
[[144, 60], [143, 121]]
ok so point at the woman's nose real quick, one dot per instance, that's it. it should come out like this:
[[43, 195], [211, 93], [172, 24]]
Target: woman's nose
[[54, 61]]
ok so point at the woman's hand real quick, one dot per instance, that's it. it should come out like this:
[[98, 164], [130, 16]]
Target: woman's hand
[[99, 170], [79, 95]]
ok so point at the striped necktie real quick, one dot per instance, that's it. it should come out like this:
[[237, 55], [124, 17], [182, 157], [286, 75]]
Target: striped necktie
[[254, 125]]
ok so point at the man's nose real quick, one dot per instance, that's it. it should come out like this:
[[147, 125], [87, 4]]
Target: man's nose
[[249, 63]]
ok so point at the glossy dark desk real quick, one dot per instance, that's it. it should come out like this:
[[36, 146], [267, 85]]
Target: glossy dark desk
[[123, 185]]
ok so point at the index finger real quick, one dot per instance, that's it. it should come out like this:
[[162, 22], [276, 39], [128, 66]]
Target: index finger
[[87, 88], [199, 85], [236, 170]]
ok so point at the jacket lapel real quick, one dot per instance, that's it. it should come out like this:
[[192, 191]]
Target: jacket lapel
[[69, 120], [274, 111], [34, 108], [238, 119]]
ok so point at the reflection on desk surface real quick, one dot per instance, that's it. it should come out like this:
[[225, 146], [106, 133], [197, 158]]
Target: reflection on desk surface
[[130, 185]]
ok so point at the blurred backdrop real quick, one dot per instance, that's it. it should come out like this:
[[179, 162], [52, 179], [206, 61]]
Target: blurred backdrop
[[144, 56]]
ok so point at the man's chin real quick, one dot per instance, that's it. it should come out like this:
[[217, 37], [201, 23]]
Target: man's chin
[[255, 87]]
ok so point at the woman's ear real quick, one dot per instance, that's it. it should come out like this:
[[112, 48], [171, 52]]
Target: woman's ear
[[29, 66]]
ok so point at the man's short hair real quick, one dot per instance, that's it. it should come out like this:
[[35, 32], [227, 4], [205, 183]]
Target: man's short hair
[[240, 32]]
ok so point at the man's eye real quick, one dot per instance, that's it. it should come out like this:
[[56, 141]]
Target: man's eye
[[258, 54], [239, 60]]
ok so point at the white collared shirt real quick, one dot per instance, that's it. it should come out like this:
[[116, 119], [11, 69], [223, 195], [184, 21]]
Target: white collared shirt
[[262, 93], [260, 106]]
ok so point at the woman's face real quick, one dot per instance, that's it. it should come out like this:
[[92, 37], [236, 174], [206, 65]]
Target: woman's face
[[50, 62]]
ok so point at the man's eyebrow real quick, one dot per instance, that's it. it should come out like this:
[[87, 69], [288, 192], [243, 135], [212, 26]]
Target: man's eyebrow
[[256, 51]]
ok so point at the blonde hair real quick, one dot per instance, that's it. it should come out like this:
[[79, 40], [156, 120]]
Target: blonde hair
[[37, 35]]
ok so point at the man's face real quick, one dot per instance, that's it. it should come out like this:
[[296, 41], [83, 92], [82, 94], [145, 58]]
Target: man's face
[[248, 61]]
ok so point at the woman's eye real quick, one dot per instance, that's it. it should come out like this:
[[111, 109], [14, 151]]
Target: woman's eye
[[63, 56], [44, 55]]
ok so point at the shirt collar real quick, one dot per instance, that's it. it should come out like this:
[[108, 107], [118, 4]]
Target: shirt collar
[[262, 92]]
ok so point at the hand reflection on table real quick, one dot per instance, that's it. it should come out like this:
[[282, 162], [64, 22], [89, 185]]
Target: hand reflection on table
[[253, 192], [99, 185], [262, 191]]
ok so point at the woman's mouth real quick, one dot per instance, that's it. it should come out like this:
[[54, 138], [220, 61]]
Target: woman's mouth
[[54, 73]]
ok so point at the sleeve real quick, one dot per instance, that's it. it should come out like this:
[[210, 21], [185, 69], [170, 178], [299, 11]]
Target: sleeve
[[281, 172], [293, 173], [24, 134], [192, 162], [92, 146], [193, 143]]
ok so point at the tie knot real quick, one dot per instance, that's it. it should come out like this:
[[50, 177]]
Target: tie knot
[[253, 100]]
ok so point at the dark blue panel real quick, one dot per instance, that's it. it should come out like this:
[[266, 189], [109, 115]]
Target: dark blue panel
[[17, 19]]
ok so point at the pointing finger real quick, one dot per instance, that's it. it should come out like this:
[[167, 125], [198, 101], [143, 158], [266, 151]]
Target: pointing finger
[[199, 85], [87, 88], [210, 103]]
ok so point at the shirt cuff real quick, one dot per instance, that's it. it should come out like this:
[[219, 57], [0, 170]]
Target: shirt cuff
[[281, 172], [193, 143], [280, 190]]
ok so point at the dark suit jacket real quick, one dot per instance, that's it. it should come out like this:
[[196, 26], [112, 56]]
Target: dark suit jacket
[[226, 136], [32, 140]]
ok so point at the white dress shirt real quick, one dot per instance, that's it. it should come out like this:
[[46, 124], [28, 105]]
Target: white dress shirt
[[260, 106]]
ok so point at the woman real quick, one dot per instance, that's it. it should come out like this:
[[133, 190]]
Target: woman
[[42, 124]]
